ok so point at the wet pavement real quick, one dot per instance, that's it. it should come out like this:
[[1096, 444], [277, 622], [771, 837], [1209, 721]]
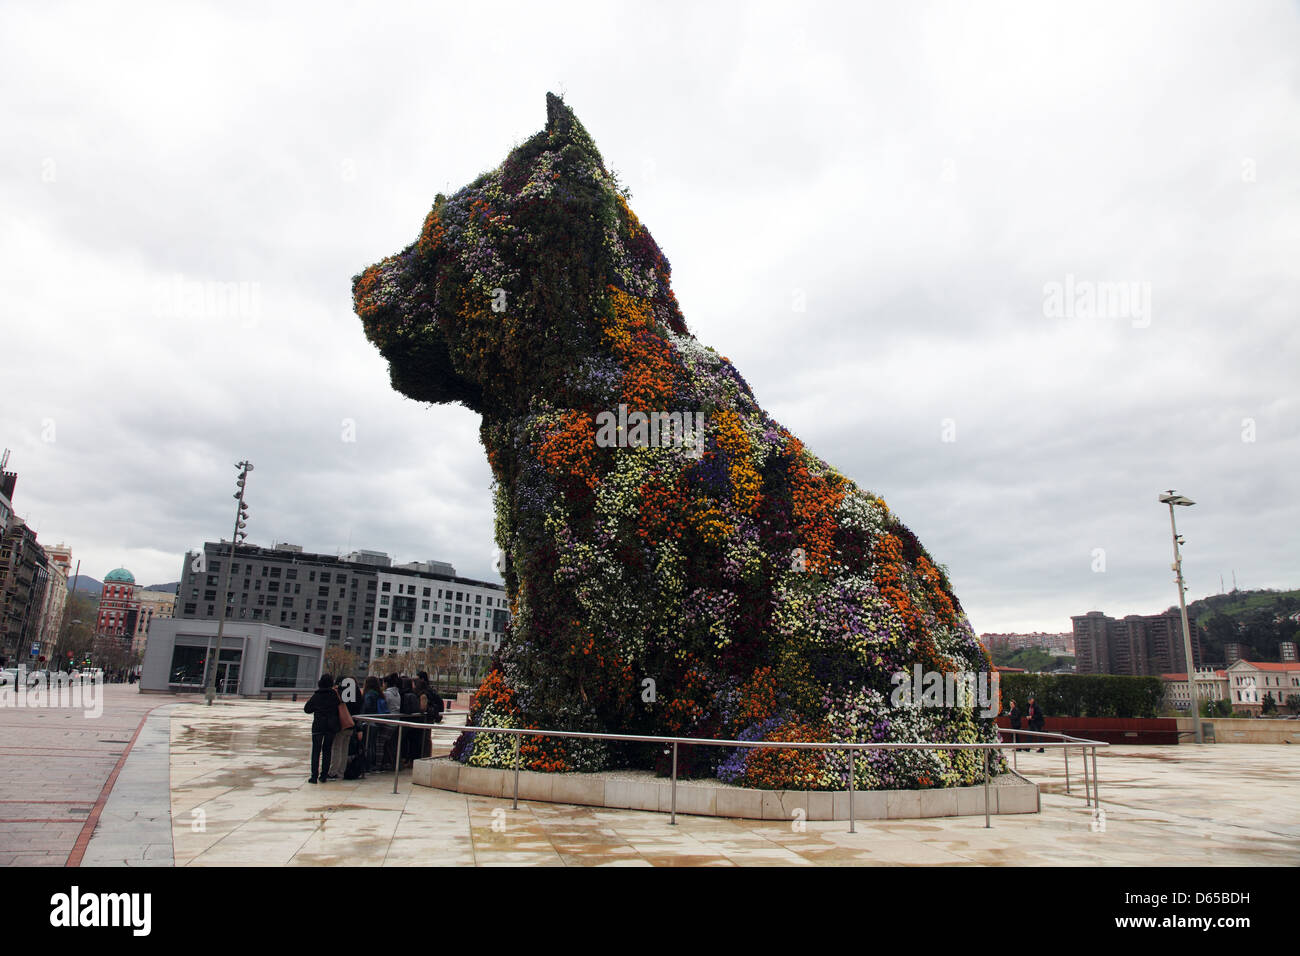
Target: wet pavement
[[56, 766], [240, 797], [160, 781]]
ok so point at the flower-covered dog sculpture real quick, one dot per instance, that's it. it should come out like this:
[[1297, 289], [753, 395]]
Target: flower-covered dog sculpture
[[677, 562]]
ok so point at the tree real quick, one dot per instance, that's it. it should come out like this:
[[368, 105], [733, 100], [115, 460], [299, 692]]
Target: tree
[[340, 662], [1269, 705], [76, 633], [1216, 708]]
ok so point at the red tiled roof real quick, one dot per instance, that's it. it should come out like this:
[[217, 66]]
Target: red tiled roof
[[1274, 665]]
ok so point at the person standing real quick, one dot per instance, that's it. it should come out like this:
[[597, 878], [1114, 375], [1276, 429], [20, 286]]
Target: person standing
[[324, 708], [1014, 718], [1036, 717], [342, 740], [393, 693]]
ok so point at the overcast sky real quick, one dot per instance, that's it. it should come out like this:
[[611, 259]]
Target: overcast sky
[[891, 217]]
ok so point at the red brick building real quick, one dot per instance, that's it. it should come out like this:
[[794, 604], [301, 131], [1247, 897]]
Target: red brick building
[[119, 608]]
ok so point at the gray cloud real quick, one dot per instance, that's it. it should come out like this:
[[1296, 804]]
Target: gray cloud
[[914, 175]]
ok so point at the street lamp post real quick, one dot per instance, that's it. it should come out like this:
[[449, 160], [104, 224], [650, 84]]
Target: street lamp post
[[241, 519], [1172, 498]]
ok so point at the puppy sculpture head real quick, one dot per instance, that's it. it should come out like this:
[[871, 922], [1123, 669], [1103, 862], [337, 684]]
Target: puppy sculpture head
[[504, 287]]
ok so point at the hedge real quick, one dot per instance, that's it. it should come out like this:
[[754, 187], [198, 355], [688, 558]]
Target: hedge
[[1086, 695]]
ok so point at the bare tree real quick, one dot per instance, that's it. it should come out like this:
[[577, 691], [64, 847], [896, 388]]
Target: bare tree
[[340, 662]]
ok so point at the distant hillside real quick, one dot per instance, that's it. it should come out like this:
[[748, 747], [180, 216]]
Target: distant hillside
[[1245, 603], [88, 585], [1259, 620]]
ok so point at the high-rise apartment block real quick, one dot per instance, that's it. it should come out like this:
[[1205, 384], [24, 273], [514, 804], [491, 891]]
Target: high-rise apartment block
[[1137, 645]]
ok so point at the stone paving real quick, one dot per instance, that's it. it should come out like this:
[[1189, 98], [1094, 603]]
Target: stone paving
[[240, 770], [236, 793], [55, 763]]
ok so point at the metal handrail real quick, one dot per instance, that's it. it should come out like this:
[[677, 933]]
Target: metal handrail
[[1084, 743], [1065, 741]]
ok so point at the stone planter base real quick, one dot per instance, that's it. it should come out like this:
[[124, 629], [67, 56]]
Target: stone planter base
[[625, 790]]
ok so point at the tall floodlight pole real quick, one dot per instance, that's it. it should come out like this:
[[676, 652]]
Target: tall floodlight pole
[[1172, 498], [241, 519]]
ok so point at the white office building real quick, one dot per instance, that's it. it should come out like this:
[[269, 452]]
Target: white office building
[[419, 609]]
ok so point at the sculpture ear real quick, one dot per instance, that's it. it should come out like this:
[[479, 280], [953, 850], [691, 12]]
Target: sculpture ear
[[563, 128]]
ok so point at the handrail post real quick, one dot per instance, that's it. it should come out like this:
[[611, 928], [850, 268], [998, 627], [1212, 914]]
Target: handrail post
[[1096, 800], [516, 740], [673, 820], [1066, 751], [1087, 790], [986, 789], [397, 758], [853, 822]]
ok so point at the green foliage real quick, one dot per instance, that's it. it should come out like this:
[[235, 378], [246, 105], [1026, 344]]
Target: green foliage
[[1216, 708], [1030, 659], [1087, 695], [1259, 620]]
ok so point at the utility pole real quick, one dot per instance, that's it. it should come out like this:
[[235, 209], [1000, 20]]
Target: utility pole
[[241, 519], [1172, 498]]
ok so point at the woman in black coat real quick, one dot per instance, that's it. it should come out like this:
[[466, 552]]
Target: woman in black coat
[[324, 708], [1036, 718], [1013, 718]]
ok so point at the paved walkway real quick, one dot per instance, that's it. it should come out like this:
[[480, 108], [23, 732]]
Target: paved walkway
[[240, 797], [135, 826], [56, 765], [227, 785]]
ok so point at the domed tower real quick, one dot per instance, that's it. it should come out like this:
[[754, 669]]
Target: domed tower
[[118, 606]]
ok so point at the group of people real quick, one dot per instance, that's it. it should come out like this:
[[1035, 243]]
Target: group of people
[[344, 746], [1032, 715]]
